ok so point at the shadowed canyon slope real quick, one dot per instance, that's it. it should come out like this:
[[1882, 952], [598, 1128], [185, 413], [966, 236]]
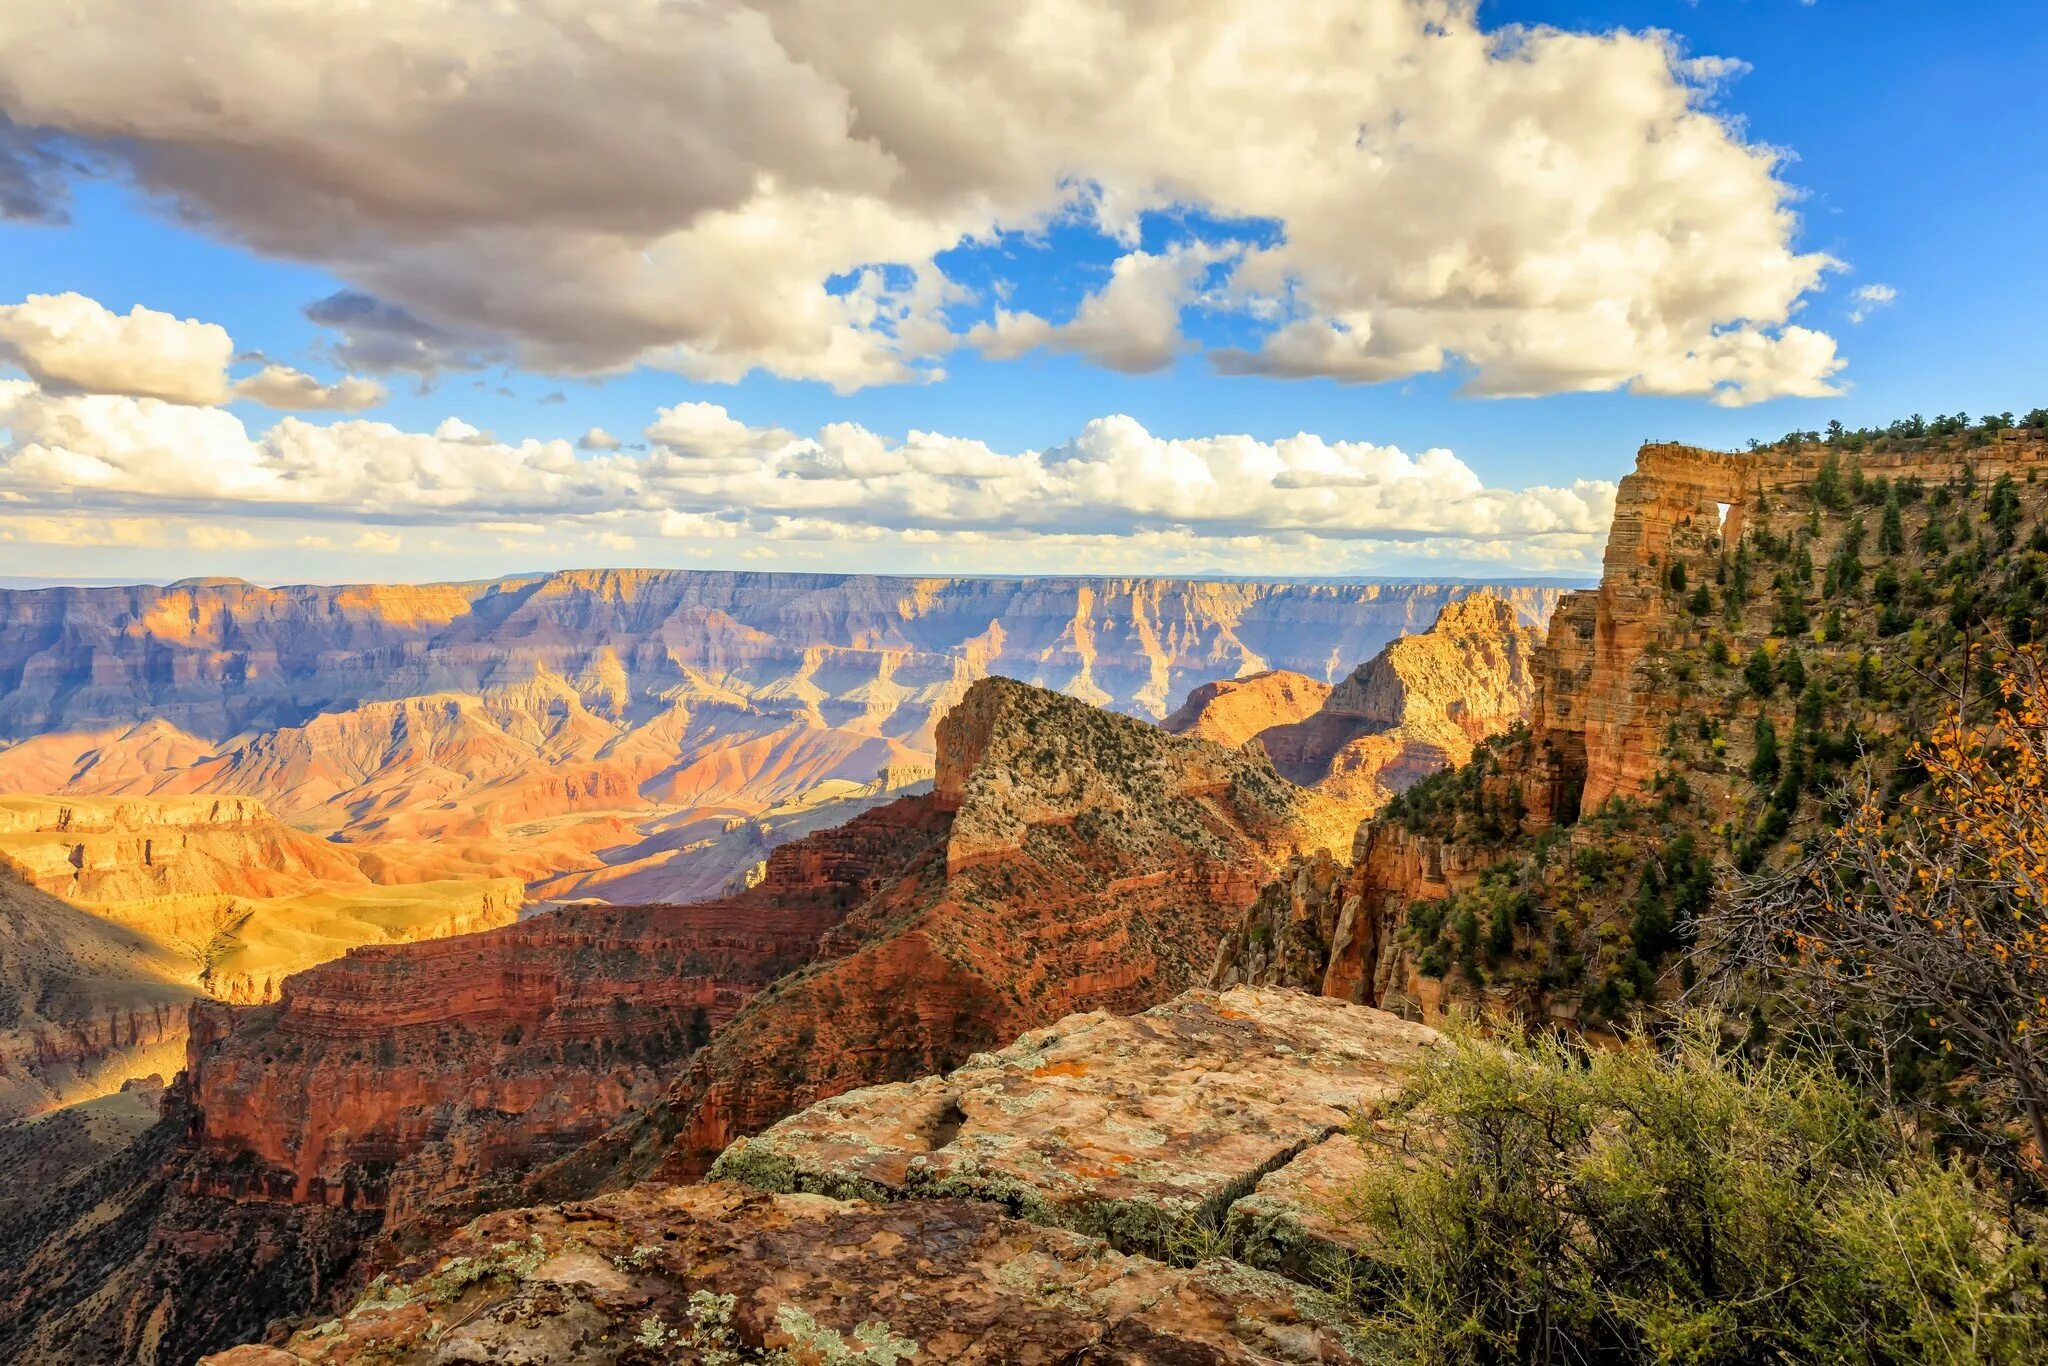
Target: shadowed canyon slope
[[574, 729]]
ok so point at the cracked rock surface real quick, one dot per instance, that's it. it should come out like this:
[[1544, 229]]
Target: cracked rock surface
[[1140, 1129]]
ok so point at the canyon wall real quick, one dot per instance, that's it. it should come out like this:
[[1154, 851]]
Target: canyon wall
[[218, 657], [1639, 697], [1069, 858], [118, 911]]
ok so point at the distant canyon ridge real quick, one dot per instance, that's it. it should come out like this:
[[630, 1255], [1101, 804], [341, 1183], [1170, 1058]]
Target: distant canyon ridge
[[620, 735]]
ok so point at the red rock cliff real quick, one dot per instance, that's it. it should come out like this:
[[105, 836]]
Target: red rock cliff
[[399, 1074]]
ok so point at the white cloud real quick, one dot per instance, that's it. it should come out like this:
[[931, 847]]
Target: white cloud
[[1869, 298], [746, 184], [71, 344], [1131, 324], [711, 477], [67, 342], [597, 439], [379, 542], [281, 386]]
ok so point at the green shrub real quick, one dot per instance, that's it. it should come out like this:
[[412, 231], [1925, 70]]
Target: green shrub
[[1530, 1203]]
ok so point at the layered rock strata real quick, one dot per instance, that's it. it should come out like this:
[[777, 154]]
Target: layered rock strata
[[596, 731]]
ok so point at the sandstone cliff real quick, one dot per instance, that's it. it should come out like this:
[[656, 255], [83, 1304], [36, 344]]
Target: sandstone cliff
[[1560, 869], [84, 1003], [1068, 859], [1092, 862], [1231, 711], [155, 900]]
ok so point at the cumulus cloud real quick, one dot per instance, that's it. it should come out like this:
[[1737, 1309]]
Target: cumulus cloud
[[70, 342], [281, 386], [772, 184], [1869, 298], [598, 439], [709, 477], [1131, 324]]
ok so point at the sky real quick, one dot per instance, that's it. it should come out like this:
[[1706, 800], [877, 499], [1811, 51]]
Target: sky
[[380, 291]]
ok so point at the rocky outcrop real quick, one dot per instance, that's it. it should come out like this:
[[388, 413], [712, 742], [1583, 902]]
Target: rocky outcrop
[[1637, 694], [677, 1273], [1164, 1187], [399, 1076], [1415, 708], [1142, 1130], [1093, 862], [1068, 860], [1231, 711]]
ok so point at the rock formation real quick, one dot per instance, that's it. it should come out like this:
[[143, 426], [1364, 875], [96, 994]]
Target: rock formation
[[1068, 859], [1642, 720], [394, 1076], [84, 1003], [1019, 1209], [1231, 711], [152, 901], [1415, 708], [563, 728], [1141, 1129]]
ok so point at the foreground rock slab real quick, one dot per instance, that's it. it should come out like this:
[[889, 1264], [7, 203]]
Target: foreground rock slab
[[1140, 1129], [611, 1281]]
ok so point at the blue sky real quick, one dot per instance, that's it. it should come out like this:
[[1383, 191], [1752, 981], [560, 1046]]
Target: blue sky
[[1912, 136]]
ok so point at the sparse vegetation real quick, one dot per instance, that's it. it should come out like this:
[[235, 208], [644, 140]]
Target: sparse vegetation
[[1680, 1204]]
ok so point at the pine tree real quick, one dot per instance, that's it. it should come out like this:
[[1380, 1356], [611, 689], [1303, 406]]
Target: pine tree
[[1891, 532], [1763, 768], [1792, 669], [1759, 673]]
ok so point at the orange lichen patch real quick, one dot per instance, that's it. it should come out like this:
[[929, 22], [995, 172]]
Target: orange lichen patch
[[1065, 1068]]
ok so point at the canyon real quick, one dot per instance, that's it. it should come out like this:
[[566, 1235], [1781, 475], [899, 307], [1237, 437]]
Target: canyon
[[1067, 858], [607, 734], [255, 780], [1030, 1206], [1413, 709], [120, 911], [913, 1039], [1039, 1199]]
